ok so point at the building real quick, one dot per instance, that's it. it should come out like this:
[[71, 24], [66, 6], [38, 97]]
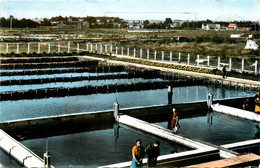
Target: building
[[232, 26], [211, 26]]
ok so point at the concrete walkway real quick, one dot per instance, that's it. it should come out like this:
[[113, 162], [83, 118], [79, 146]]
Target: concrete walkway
[[236, 112], [168, 134], [18, 151], [238, 81], [234, 161]]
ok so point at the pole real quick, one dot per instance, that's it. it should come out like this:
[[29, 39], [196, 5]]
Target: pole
[[58, 47], [49, 47], [169, 95], [68, 47], [198, 58], [243, 62], [218, 63], [6, 48], [170, 56], [147, 54], [39, 47], [28, 48], [210, 101], [208, 60], [162, 55], [230, 64], [154, 54], [188, 59], [17, 48]]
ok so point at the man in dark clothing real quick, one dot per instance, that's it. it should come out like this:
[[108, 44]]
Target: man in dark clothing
[[153, 151], [224, 72]]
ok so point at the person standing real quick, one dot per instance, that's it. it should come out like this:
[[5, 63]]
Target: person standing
[[138, 154], [224, 71], [174, 124], [257, 102], [153, 151]]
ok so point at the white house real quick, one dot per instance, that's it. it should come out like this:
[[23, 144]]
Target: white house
[[211, 26], [250, 44]]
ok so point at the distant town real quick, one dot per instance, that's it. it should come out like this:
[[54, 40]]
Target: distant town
[[116, 22]]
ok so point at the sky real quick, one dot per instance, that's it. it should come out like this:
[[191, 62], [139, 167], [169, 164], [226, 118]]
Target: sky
[[215, 10]]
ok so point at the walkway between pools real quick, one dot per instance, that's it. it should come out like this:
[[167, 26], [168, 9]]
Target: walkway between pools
[[21, 153], [236, 112], [202, 150]]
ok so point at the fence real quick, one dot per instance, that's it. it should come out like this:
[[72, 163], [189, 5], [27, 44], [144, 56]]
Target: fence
[[235, 64]]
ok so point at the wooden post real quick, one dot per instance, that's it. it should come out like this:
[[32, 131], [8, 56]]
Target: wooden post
[[77, 47], [49, 47], [162, 55], [17, 48], [58, 47], [230, 64], [141, 53], [154, 54], [188, 59], [148, 54], [134, 52], [28, 48], [218, 62], [208, 60], [198, 58], [100, 48], [68, 47], [243, 62], [6, 47], [171, 56], [39, 47], [105, 48], [122, 50]]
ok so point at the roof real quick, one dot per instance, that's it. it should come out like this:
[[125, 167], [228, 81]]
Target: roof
[[231, 25]]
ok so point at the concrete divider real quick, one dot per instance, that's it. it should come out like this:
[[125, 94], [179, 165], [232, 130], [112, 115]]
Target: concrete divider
[[236, 112], [17, 150], [160, 131], [53, 122], [192, 157], [177, 159]]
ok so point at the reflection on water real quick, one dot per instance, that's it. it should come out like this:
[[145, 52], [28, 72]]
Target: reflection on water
[[95, 148], [21, 109]]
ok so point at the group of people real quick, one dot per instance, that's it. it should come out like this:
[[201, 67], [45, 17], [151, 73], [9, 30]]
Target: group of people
[[138, 153]]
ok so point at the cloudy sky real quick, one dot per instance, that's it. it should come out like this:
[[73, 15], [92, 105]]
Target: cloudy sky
[[227, 10]]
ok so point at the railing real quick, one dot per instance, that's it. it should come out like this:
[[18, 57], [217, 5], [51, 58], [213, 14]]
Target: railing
[[206, 61]]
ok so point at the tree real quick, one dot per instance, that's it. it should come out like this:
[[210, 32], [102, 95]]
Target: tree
[[46, 22], [167, 23], [146, 23]]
